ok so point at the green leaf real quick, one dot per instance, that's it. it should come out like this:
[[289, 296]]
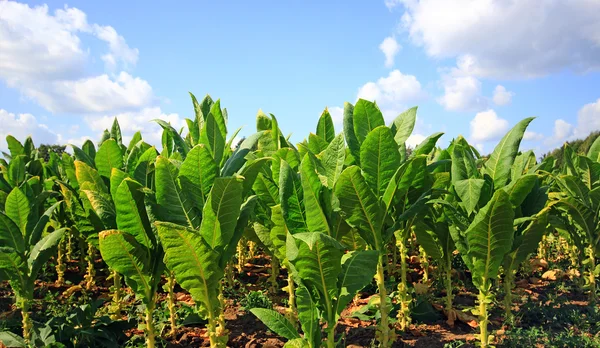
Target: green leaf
[[43, 250], [520, 188], [124, 254], [276, 323], [41, 223], [85, 173], [428, 239], [404, 124], [308, 315], [16, 170], [17, 208], [10, 235], [594, 151], [427, 145], [490, 237], [143, 166], [115, 132], [217, 113], [379, 159], [528, 242], [109, 156], [291, 198], [325, 129], [316, 221], [351, 140], [102, 206], [463, 164], [358, 269], [221, 212], [246, 213], [499, 164], [263, 122], [469, 192], [180, 144], [333, 159], [316, 144], [14, 146], [194, 263], [212, 137], [197, 173], [178, 208], [366, 117], [12, 340], [116, 178], [131, 213], [136, 138], [362, 208]]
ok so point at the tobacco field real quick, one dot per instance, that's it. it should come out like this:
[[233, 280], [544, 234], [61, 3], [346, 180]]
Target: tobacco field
[[351, 239]]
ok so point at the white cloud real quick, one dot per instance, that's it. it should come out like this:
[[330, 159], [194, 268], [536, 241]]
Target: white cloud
[[562, 131], [507, 39], [461, 92], [131, 122], [23, 125], [588, 119], [392, 93], [390, 48], [531, 136], [41, 54], [92, 95], [502, 96], [415, 139], [487, 126], [337, 116]]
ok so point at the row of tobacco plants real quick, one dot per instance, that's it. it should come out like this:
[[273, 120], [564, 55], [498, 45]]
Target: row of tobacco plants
[[338, 212]]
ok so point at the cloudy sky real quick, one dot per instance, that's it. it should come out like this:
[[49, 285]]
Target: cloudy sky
[[474, 67]]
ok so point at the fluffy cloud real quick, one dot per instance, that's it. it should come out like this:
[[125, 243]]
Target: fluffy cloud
[[42, 55], [337, 115], [392, 93], [507, 39], [390, 48], [462, 93], [487, 126], [502, 96], [23, 125], [415, 139], [532, 136], [92, 95], [132, 122], [588, 119]]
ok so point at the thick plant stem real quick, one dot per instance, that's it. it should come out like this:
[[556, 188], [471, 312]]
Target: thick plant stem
[[274, 274], [330, 336], [593, 295], [60, 265], [424, 264], [27, 324], [171, 303], [291, 310], [91, 272], [508, 285], [116, 310], [404, 297], [150, 339], [483, 299], [383, 331], [448, 287], [82, 252], [241, 257]]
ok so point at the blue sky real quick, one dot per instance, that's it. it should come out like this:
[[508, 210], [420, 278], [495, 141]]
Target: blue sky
[[474, 67]]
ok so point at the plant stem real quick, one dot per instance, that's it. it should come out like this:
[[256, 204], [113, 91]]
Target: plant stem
[[116, 296], [240, 256], [404, 298], [150, 340], [593, 295], [291, 310], [91, 272], [60, 265], [27, 325], [274, 274], [330, 336], [449, 286], [171, 303], [483, 314], [424, 264], [508, 285], [383, 332]]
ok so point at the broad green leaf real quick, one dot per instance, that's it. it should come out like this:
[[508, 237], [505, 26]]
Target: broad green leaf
[[250, 173], [115, 132], [279, 232], [463, 164], [213, 139], [351, 140], [594, 151], [178, 208], [197, 173], [520, 188], [43, 250], [308, 315], [490, 237], [10, 235], [116, 178], [291, 198], [109, 156], [316, 221], [217, 113], [499, 164], [333, 159], [266, 189], [263, 122], [220, 214], [366, 117], [136, 138], [358, 269], [469, 192], [88, 174], [16, 171], [131, 213], [379, 159], [528, 242], [14, 146], [404, 125], [102, 206], [427, 145], [40, 225], [316, 144], [17, 208], [194, 263], [325, 129], [428, 239], [246, 214], [143, 166], [318, 263], [276, 322], [362, 208], [180, 144], [124, 254]]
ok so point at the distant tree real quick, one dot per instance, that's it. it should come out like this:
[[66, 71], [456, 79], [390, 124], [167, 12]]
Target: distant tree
[[44, 150], [579, 146]]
